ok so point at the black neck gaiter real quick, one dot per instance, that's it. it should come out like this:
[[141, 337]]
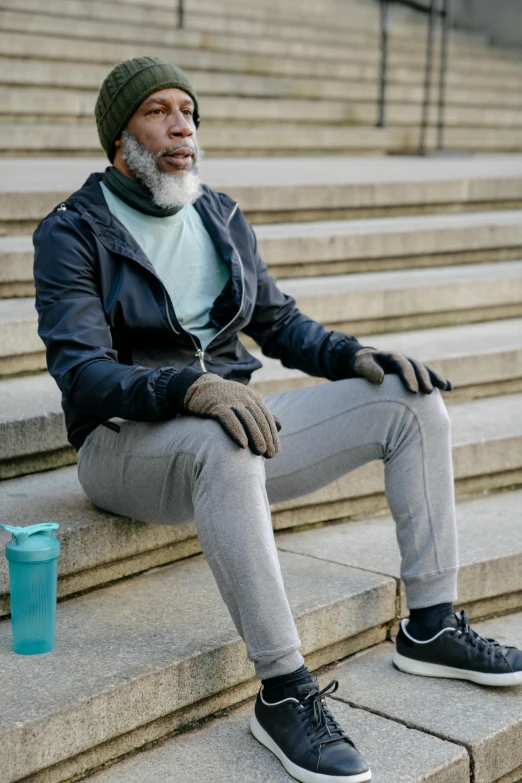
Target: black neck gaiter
[[134, 193]]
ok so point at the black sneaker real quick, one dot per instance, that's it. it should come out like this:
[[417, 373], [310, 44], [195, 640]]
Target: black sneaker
[[306, 738], [460, 653]]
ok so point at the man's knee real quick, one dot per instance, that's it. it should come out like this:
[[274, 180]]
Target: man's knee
[[426, 406], [215, 444]]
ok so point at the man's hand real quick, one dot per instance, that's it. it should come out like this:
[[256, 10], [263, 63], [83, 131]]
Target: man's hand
[[373, 365], [241, 411]]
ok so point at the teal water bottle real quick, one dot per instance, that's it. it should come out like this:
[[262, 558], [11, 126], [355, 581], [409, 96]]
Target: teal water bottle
[[33, 554]]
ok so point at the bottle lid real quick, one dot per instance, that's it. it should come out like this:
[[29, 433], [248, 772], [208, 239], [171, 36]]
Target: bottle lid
[[32, 544]]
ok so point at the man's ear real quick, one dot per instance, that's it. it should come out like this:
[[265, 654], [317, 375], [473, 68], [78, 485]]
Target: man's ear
[[118, 142]]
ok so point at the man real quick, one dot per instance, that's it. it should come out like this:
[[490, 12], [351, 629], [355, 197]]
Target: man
[[144, 278]]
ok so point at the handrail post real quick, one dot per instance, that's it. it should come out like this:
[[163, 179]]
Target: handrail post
[[385, 5], [447, 21], [427, 77], [180, 14]]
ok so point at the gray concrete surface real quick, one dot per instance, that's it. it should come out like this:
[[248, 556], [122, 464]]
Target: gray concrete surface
[[469, 355], [148, 646], [43, 174], [31, 416], [490, 546], [484, 442], [245, 138], [387, 237], [486, 721], [225, 751], [30, 188], [299, 29], [250, 139], [486, 435], [68, 105], [472, 356], [98, 547]]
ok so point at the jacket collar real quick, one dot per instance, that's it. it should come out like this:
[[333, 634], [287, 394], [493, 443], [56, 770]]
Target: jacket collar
[[214, 209]]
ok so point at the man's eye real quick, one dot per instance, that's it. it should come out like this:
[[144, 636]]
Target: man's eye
[[154, 110], [187, 111]]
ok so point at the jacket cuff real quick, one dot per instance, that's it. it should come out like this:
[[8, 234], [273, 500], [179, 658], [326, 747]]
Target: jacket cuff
[[340, 358], [178, 386]]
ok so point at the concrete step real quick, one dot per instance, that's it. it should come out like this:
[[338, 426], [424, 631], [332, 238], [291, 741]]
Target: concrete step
[[32, 430], [154, 12], [173, 642], [89, 76], [101, 21], [356, 44], [246, 76], [273, 190], [334, 249], [243, 34], [237, 139], [98, 20], [337, 247], [359, 16], [409, 298], [481, 360], [487, 722], [213, 751], [34, 438], [21, 350], [341, 19], [99, 547], [395, 722], [374, 302], [31, 59], [354, 59], [490, 551], [244, 139], [483, 431], [371, 303], [141, 658], [67, 106], [149, 27]]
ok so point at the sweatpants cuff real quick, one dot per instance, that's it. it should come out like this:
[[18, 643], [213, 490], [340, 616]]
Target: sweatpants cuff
[[432, 589], [286, 664]]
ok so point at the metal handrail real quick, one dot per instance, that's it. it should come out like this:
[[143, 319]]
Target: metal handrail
[[433, 11]]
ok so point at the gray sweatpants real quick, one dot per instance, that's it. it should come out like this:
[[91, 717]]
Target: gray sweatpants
[[188, 469]]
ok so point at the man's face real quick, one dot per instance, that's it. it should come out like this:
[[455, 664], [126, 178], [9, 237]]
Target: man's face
[[159, 148]]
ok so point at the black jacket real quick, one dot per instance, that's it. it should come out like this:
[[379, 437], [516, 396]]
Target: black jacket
[[114, 344]]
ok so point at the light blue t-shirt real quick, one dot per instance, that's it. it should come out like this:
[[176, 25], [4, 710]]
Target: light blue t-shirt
[[184, 257]]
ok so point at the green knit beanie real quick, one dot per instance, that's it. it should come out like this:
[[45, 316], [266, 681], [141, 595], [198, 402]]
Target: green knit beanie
[[126, 87]]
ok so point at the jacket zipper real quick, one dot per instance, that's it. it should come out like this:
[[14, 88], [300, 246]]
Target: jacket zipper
[[168, 313], [200, 353]]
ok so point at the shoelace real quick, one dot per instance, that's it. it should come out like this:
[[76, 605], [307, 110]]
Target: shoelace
[[319, 719], [491, 646]]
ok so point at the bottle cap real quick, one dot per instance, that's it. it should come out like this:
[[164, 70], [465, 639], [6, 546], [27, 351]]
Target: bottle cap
[[32, 544]]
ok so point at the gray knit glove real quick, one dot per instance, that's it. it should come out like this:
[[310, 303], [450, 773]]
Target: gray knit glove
[[373, 365], [241, 411]]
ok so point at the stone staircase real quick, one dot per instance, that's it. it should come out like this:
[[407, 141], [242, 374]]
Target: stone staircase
[[255, 69], [145, 647], [149, 679]]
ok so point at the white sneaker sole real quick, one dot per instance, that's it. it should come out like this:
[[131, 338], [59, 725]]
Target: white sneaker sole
[[423, 669], [304, 775]]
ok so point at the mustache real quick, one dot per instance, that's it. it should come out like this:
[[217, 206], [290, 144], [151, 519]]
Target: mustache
[[175, 147]]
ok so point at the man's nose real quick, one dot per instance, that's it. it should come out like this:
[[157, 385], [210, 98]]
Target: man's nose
[[180, 125]]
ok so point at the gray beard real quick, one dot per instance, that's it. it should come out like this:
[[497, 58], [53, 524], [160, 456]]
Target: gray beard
[[168, 190]]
